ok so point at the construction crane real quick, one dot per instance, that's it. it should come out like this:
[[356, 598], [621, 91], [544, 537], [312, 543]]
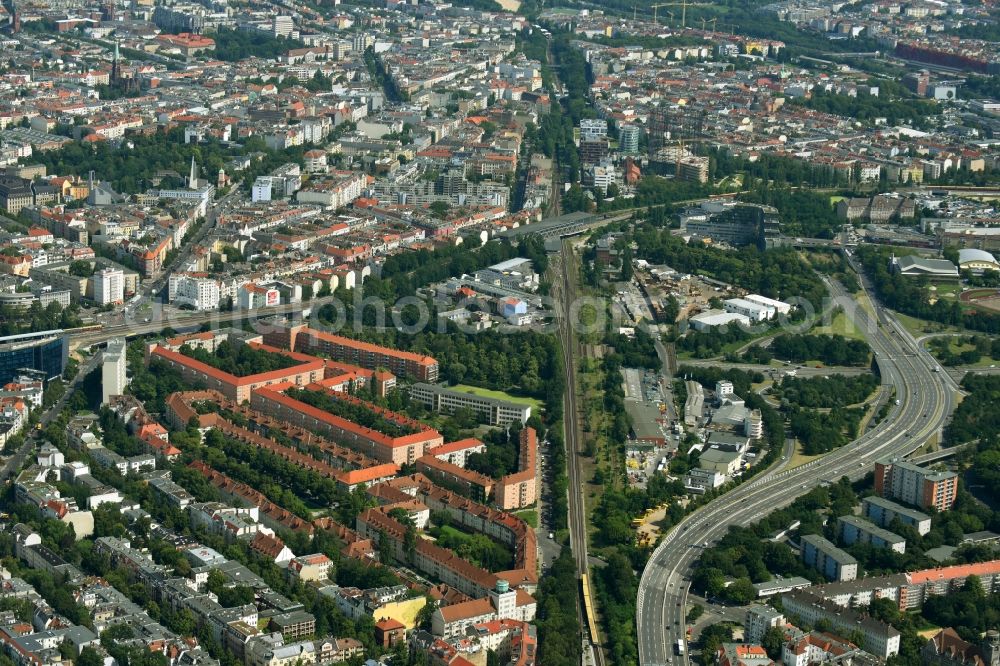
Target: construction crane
[[705, 21], [684, 4]]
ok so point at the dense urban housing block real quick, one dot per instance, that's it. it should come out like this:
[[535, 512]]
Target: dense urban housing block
[[301, 338]]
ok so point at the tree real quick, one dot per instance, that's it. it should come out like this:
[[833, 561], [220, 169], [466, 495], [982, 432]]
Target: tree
[[741, 591], [89, 657], [575, 199], [439, 208], [773, 642], [80, 268], [426, 614]]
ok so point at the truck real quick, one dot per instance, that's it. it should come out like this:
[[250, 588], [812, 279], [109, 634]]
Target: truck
[[680, 647]]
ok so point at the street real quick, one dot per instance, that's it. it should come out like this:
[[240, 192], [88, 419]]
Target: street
[[16, 461], [926, 399]]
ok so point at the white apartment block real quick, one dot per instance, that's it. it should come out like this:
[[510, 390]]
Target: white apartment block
[[113, 378], [201, 293], [493, 411], [261, 189], [593, 129], [758, 620], [109, 286]]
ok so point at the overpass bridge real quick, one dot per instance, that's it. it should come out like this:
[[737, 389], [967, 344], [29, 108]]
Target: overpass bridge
[[934, 456]]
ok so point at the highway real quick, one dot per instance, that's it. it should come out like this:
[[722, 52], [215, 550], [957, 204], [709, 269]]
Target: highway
[[190, 321], [926, 400]]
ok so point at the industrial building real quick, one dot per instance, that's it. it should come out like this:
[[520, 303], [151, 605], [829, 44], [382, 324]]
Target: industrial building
[[914, 266], [714, 318]]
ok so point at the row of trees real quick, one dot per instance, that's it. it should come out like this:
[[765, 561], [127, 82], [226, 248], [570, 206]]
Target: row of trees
[[402, 274], [239, 359], [638, 351], [777, 273], [14, 320], [803, 212], [911, 296], [476, 548], [356, 413], [821, 432], [980, 346], [134, 170], [706, 344], [825, 392], [501, 455], [798, 348], [235, 45], [867, 108]]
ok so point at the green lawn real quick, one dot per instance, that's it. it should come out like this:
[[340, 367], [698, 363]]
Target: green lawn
[[835, 199], [984, 362], [530, 516], [921, 327], [840, 325], [536, 405], [947, 290]]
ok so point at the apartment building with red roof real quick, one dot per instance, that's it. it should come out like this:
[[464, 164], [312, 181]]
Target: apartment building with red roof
[[301, 338], [500, 603], [909, 590], [309, 369], [399, 449], [439, 563], [478, 486], [512, 491], [737, 654], [500, 525], [271, 515], [271, 547], [520, 489], [458, 452]]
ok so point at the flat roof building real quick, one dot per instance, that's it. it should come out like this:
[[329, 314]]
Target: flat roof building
[[913, 266], [749, 309], [915, 485], [854, 530], [825, 557], [879, 638], [882, 512], [491, 410], [45, 351], [714, 318]]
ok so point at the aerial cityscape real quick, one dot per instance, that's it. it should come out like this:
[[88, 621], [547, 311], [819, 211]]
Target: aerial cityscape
[[499, 332]]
